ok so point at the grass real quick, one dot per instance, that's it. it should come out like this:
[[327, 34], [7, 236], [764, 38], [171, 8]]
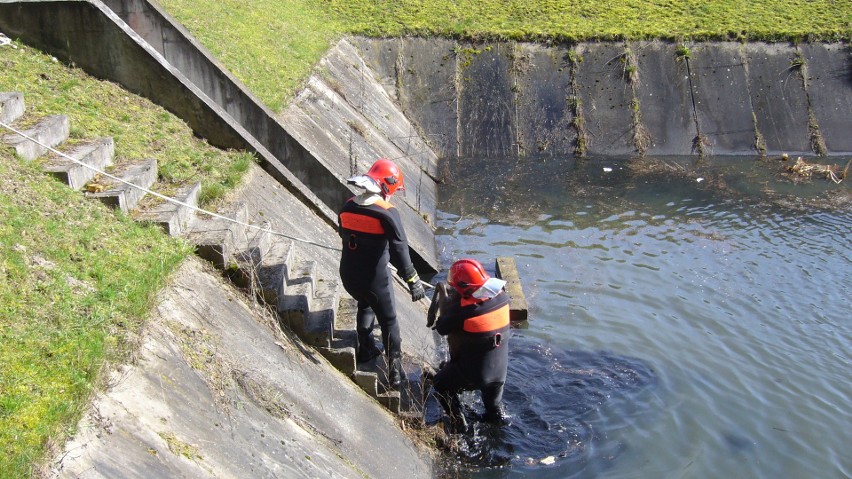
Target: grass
[[575, 20], [272, 45], [77, 279]]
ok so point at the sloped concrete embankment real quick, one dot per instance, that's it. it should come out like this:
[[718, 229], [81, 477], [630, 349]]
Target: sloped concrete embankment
[[210, 388], [214, 394], [589, 99], [140, 47]]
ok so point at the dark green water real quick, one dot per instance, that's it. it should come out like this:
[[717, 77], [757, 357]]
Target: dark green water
[[688, 318]]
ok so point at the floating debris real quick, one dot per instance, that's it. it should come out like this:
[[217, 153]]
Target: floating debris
[[831, 172]]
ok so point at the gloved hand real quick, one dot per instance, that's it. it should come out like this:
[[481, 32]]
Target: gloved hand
[[417, 290]]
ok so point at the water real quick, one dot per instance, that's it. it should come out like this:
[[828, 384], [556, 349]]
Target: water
[[687, 318]]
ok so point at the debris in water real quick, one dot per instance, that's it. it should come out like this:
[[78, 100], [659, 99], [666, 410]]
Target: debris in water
[[699, 180], [548, 460], [607, 170], [831, 172]]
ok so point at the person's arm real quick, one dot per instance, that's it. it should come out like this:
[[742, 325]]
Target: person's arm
[[399, 257], [450, 318]]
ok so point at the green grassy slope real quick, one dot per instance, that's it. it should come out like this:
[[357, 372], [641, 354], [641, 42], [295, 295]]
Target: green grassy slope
[[76, 279]]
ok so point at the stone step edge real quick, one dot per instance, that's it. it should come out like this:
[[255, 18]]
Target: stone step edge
[[122, 195], [50, 131], [173, 218], [97, 154]]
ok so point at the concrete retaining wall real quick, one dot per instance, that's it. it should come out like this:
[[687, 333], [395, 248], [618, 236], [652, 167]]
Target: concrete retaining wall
[[601, 98]]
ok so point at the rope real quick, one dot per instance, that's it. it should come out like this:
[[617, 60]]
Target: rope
[[181, 203], [169, 199]]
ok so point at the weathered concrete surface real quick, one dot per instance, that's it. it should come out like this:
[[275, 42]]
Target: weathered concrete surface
[[346, 120], [508, 97], [779, 101], [486, 102], [420, 74], [829, 79], [665, 99], [541, 82], [722, 99], [214, 393], [605, 95]]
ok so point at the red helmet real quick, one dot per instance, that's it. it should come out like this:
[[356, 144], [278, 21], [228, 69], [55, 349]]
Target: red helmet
[[387, 175], [467, 276]]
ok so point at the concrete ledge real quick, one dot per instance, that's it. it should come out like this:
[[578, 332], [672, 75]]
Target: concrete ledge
[[122, 195], [173, 218], [508, 272]]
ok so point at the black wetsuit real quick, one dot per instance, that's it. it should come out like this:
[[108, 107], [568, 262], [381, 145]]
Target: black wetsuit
[[478, 336], [373, 235]]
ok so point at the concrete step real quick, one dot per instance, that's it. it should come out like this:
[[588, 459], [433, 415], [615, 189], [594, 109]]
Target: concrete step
[[98, 154], [368, 381], [274, 269], [250, 260], [343, 359], [217, 239], [391, 400], [303, 272], [122, 195], [11, 106], [172, 217], [327, 293], [50, 131], [295, 311]]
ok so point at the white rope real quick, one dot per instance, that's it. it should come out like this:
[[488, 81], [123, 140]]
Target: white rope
[[181, 203], [171, 200]]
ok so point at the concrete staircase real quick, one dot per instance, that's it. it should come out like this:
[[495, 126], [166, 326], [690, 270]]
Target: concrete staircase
[[265, 264]]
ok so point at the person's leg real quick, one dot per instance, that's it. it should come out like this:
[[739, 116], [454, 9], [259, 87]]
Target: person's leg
[[365, 320], [381, 299], [492, 397], [448, 383]]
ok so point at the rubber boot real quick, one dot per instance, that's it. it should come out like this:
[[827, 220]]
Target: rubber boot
[[367, 348], [455, 413], [395, 373], [497, 416]]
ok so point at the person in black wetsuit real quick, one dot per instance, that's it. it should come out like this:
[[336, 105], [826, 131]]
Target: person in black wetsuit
[[475, 319], [372, 234]]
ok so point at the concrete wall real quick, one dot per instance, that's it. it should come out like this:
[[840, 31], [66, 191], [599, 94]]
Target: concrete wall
[[621, 98]]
